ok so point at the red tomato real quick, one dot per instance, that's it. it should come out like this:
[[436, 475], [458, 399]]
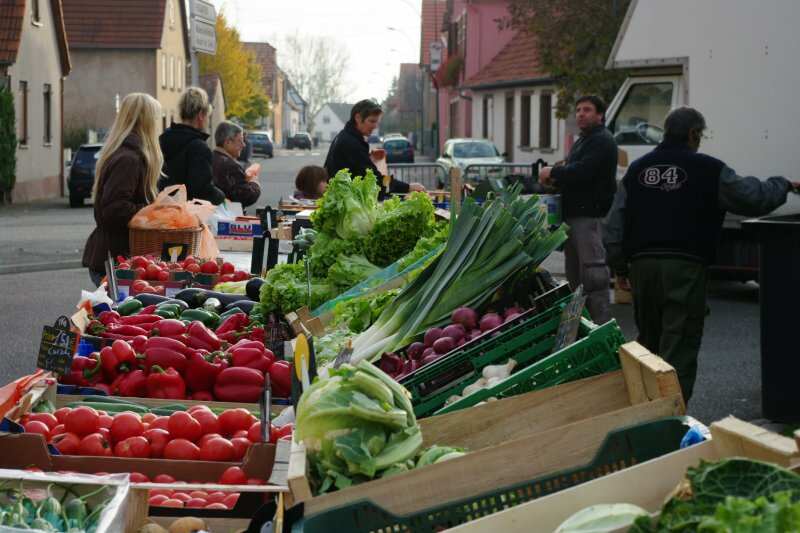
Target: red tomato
[[241, 434], [240, 446], [82, 421], [34, 426], [218, 505], [196, 503], [254, 433], [217, 449], [172, 502], [124, 266], [231, 499], [133, 447], [208, 421], [106, 421], [199, 407], [216, 496], [163, 275], [48, 419], [199, 494], [61, 414], [207, 437], [194, 268], [255, 481], [183, 426], [66, 443], [139, 261], [233, 475], [139, 285], [190, 259], [226, 278], [284, 431], [152, 271], [161, 422], [227, 268], [138, 477], [209, 267], [105, 432], [161, 492], [157, 500], [182, 496], [148, 418], [58, 430], [158, 439], [163, 478], [241, 275], [233, 420], [125, 425], [181, 449], [94, 444]]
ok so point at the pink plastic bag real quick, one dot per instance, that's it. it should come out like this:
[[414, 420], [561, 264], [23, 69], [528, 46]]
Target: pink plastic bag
[[169, 210], [202, 209]]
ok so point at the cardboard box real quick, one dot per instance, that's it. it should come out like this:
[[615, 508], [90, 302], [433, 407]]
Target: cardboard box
[[247, 227]]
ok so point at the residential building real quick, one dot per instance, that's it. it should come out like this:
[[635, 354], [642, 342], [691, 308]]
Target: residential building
[[212, 84], [34, 60], [330, 120], [265, 55], [513, 104], [430, 34], [403, 109], [294, 115], [124, 46]]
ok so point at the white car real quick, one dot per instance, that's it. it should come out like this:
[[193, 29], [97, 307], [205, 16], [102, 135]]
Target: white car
[[466, 152]]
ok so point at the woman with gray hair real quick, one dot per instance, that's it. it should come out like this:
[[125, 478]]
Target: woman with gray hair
[[228, 174], [187, 157]]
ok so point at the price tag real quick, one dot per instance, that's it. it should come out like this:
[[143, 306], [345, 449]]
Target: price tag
[[570, 320], [58, 347]]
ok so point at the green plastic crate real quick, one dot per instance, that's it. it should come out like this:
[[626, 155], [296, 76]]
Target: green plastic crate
[[595, 353], [622, 448]]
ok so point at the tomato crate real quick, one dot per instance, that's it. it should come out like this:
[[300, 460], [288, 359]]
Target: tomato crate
[[621, 448]]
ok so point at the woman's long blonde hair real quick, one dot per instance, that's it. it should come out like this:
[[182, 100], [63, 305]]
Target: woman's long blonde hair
[[139, 114]]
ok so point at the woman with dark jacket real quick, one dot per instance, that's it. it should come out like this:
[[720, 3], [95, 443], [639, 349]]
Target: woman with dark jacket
[[187, 157], [127, 170], [350, 150], [228, 173]]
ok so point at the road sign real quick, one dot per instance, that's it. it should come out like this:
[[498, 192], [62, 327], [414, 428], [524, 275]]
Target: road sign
[[436, 55], [204, 37], [202, 10]]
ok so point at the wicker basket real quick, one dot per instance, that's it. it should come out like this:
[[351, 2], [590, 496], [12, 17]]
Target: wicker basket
[[151, 241]]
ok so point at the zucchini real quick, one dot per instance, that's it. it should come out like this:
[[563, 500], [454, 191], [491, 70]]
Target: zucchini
[[193, 297], [129, 307], [245, 305], [174, 301]]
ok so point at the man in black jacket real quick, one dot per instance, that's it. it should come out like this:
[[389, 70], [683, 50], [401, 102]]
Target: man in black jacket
[[666, 220], [350, 150], [587, 182], [187, 157]]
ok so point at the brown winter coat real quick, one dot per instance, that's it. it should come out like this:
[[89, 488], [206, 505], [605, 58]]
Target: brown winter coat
[[230, 177], [120, 194]]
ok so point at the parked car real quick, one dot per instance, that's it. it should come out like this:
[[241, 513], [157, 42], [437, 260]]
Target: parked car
[[374, 140], [398, 150], [465, 152], [300, 140], [261, 142], [80, 180]]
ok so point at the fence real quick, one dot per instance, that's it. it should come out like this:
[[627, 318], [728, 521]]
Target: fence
[[431, 175]]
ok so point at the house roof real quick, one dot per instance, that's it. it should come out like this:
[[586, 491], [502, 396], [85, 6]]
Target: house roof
[[432, 17], [121, 24], [341, 110], [517, 63], [265, 56], [209, 83], [12, 15]]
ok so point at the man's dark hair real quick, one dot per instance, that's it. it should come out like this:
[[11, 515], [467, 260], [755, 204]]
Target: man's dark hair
[[596, 101], [364, 109], [680, 122]]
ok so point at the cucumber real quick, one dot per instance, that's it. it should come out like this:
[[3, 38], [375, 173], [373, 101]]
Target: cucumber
[[108, 399]]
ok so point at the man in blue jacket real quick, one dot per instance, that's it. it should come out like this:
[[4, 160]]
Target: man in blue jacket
[[665, 222], [587, 182]]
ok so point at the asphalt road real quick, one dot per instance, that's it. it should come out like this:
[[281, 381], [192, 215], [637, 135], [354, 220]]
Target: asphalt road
[[49, 237]]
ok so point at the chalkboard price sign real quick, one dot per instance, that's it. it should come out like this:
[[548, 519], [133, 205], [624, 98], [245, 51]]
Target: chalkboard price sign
[[57, 348]]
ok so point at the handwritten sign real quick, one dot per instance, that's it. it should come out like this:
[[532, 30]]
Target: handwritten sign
[[58, 346], [570, 320]]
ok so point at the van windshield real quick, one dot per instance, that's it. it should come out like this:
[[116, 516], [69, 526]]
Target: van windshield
[[641, 116]]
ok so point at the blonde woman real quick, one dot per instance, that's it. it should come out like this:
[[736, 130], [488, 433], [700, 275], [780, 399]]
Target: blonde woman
[[127, 171], [187, 157]]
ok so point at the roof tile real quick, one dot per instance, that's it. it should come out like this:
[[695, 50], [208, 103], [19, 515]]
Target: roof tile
[[114, 23], [517, 61], [265, 56], [12, 13]]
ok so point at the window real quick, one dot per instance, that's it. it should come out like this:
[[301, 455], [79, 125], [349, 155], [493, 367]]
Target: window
[[470, 149], [48, 112], [642, 113], [326, 119], [485, 117], [23, 120], [525, 122], [454, 119], [180, 74], [545, 120], [164, 71], [36, 15], [172, 72]]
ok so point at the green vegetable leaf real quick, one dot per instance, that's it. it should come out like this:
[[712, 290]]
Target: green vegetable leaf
[[348, 207], [350, 270], [398, 227]]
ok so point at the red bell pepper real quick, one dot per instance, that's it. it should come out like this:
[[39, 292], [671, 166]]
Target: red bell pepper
[[119, 357], [165, 358], [169, 327], [252, 356], [126, 329], [95, 327], [108, 317], [165, 384], [235, 322], [139, 343], [202, 396], [81, 371], [201, 337], [231, 337], [239, 384], [258, 333], [280, 375], [149, 310], [136, 320], [202, 371], [170, 343], [133, 384], [102, 387]]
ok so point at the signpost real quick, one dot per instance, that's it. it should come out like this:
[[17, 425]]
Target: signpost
[[436, 55], [203, 33]]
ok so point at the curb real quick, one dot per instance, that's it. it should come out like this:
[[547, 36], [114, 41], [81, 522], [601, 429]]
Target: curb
[[41, 267]]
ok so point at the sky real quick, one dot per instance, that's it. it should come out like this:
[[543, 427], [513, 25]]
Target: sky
[[361, 26]]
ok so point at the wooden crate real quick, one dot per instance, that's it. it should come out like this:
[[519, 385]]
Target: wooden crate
[[646, 485], [552, 429]]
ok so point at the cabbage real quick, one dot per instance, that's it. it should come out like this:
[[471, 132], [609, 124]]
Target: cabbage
[[350, 270], [398, 227], [356, 425], [327, 249], [603, 518], [348, 207], [285, 289]]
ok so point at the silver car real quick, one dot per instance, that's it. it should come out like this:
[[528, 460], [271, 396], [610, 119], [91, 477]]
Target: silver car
[[465, 152]]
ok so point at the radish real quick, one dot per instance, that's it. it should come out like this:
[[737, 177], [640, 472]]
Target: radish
[[443, 345], [466, 317], [430, 358], [490, 321], [475, 333], [427, 352], [461, 342], [415, 350], [512, 311], [431, 335], [511, 317], [454, 331]]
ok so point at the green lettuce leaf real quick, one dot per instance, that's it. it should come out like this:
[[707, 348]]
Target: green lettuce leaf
[[398, 226], [350, 270], [348, 207]]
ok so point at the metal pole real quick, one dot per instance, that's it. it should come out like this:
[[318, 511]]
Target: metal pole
[[193, 53]]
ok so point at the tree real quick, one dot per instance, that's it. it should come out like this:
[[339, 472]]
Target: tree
[[574, 40], [8, 145], [257, 107], [239, 71], [316, 66]]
